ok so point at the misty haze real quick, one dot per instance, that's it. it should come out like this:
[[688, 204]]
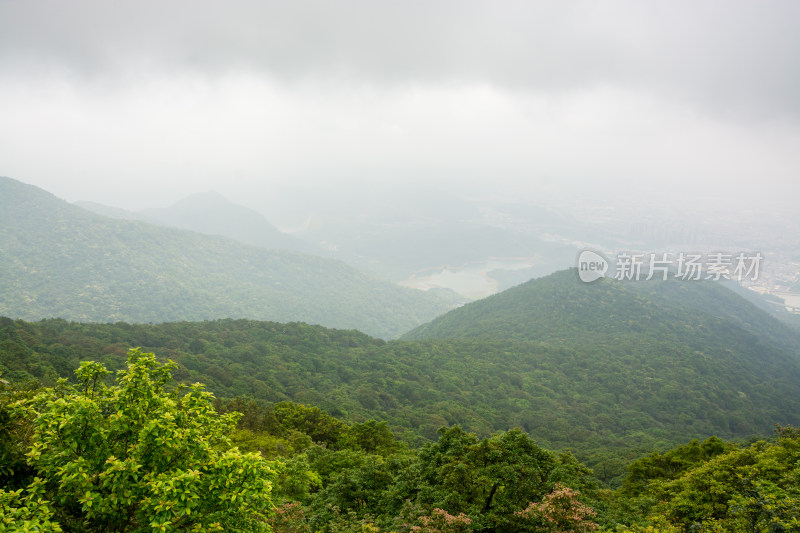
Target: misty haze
[[442, 267]]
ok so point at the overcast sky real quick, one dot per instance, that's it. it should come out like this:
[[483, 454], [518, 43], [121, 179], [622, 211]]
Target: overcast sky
[[140, 103]]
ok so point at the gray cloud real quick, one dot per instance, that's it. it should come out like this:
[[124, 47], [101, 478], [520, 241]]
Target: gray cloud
[[140, 103], [740, 59]]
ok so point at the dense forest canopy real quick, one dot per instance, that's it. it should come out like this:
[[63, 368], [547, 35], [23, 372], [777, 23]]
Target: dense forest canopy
[[137, 453], [607, 404]]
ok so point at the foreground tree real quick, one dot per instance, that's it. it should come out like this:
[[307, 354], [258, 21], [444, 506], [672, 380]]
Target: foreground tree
[[754, 489], [136, 457], [488, 479]]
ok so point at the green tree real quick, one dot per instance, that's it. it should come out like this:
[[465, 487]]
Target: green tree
[[15, 434], [488, 480], [29, 512], [672, 464], [135, 457], [313, 421], [754, 489]]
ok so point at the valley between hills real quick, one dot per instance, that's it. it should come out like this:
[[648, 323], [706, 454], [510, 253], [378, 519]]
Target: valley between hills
[[368, 398]]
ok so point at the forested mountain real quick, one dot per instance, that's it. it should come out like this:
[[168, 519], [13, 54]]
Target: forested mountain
[[728, 301], [608, 400], [561, 308], [609, 369], [137, 453], [59, 260], [678, 345], [213, 214]]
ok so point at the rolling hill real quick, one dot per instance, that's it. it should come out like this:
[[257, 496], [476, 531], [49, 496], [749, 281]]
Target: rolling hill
[[59, 260], [651, 355], [561, 308], [607, 370]]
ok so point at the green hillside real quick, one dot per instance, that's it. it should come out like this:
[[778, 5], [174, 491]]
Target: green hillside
[[608, 404], [608, 369], [137, 453], [58, 260], [561, 308]]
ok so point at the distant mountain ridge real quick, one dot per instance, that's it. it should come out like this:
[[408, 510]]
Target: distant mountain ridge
[[212, 214], [59, 260], [113, 212]]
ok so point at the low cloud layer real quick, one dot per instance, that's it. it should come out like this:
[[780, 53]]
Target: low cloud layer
[[146, 98]]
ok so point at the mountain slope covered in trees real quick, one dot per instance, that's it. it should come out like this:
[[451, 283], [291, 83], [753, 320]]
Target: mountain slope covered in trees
[[140, 454], [58, 260], [607, 403], [561, 308]]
